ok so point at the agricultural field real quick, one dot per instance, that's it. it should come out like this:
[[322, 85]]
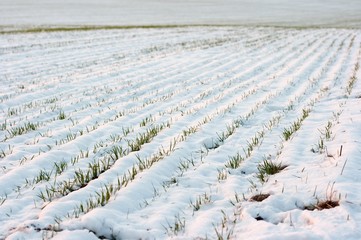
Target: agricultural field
[[181, 133]]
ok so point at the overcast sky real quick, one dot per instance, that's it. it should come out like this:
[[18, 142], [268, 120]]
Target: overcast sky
[[150, 12]]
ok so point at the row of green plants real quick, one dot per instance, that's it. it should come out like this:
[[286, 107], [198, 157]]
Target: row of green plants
[[268, 167], [146, 163], [104, 196], [265, 168], [83, 177], [135, 145]]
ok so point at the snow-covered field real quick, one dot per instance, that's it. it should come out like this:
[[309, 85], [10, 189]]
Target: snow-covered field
[[184, 133]]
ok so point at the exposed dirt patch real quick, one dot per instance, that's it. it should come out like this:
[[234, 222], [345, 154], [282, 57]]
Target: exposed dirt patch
[[328, 204], [259, 197]]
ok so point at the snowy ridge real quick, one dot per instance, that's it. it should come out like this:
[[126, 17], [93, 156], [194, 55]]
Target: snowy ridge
[[162, 133]]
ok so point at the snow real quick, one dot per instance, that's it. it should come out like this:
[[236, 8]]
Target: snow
[[203, 96]]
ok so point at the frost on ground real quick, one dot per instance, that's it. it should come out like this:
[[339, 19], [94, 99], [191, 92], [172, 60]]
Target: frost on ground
[[184, 133]]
